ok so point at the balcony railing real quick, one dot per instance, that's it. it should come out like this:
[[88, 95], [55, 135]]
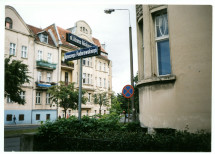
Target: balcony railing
[[44, 85], [67, 64], [46, 65]]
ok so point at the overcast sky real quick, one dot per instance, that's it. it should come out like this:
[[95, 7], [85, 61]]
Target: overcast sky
[[111, 29]]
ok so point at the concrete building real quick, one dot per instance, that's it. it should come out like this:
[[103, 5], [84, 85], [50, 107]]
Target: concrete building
[[35, 48], [175, 66]]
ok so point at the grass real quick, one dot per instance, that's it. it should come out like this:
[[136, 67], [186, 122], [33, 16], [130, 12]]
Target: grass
[[10, 133]]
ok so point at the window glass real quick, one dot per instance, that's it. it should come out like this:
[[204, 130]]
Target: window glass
[[47, 116], [164, 57], [12, 49], [9, 117], [38, 98], [48, 100], [8, 23], [24, 52], [21, 117], [40, 55], [161, 25], [37, 116], [49, 58]]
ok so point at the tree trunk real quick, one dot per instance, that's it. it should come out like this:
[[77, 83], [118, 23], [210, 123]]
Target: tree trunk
[[65, 113]]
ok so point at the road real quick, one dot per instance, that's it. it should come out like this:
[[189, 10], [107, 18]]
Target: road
[[13, 143]]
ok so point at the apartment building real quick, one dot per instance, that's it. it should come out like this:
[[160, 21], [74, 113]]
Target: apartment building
[[43, 51], [174, 66], [97, 71], [35, 48]]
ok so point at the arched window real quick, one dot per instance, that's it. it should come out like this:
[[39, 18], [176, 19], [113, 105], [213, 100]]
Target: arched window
[[8, 22]]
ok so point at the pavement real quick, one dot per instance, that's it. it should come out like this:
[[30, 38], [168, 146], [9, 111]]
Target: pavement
[[12, 143]]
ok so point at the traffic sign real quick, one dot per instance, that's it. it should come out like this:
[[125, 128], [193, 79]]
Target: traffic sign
[[82, 53], [78, 41], [128, 91]]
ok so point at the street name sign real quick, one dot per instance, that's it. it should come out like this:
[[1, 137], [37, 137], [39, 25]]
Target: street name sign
[[78, 41], [82, 53], [128, 91]]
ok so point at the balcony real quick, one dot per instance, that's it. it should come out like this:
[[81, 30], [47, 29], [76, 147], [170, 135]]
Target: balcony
[[44, 85], [67, 65], [45, 65]]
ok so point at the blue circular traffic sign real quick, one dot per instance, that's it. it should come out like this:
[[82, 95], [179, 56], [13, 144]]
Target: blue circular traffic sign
[[128, 91]]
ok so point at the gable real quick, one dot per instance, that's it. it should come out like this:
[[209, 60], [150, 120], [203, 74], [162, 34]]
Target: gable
[[18, 23]]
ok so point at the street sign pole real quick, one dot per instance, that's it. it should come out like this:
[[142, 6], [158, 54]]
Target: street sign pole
[[80, 91]]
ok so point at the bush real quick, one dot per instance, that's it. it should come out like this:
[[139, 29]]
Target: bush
[[107, 134]]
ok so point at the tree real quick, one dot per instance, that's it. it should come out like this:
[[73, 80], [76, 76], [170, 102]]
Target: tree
[[66, 96], [16, 74], [136, 96], [101, 99], [115, 105]]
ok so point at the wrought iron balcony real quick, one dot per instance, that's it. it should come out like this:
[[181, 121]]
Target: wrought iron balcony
[[46, 65]]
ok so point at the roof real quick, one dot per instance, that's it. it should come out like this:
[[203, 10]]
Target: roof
[[96, 42], [37, 31]]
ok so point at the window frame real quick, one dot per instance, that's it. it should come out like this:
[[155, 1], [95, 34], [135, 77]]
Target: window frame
[[9, 118], [49, 57], [20, 117], [38, 98], [24, 52], [10, 23], [13, 49], [160, 39], [48, 99], [39, 55], [37, 117], [49, 77]]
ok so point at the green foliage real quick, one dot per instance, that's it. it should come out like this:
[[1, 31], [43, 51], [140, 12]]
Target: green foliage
[[115, 105], [107, 134], [101, 99], [16, 74], [66, 96]]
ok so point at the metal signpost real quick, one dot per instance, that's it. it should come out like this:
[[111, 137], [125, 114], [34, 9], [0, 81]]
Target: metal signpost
[[128, 92], [88, 50]]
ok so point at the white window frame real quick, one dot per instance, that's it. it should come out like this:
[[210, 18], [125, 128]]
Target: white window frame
[[84, 78], [12, 49], [104, 67], [40, 55], [39, 76], [159, 39], [22, 95], [100, 82], [24, 52], [49, 57], [38, 97], [100, 66], [104, 82], [49, 77], [48, 100]]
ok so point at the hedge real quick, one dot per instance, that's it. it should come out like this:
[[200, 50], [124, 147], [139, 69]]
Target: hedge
[[93, 134]]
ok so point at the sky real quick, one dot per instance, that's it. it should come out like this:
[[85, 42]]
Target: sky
[[111, 29]]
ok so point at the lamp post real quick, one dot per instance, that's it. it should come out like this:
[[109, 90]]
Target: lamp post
[[109, 11]]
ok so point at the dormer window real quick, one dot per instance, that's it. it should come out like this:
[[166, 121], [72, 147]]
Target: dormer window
[[43, 38], [8, 23]]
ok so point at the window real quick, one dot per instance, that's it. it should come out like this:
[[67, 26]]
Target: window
[[84, 61], [9, 117], [37, 116], [12, 49], [8, 99], [22, 95], [8, 23], [162, 44], [48, 99], [39, 76], [66, 78], [89, 97], [104, 83], [84, 78], [100, 82], [100, 66], [49, 58], [104, 111], [48, 77], [104, 67], [96, 81], [24, 52], [43, 38], [69, 113], [40, 55], [47, 116], [21, 117], [38, 98], [91, 79], [88, 78]]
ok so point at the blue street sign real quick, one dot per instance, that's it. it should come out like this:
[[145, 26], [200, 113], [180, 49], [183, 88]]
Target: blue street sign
[[78, 41], [82, 53], [128, 91]]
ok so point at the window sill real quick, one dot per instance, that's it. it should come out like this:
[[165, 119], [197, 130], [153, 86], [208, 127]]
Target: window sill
[[38, 104], [157, 80]]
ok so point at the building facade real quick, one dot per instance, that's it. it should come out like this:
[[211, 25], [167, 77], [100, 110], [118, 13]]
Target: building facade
[[174, 66], [35, 48], [43, 51]]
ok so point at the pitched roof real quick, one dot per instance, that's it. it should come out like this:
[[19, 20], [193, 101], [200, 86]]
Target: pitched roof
[[96, 42], [36, 30]]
